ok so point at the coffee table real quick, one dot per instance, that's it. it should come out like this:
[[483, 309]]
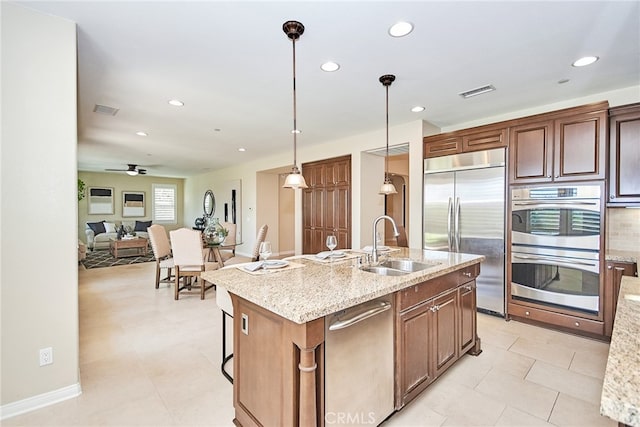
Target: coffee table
[[131, 247]]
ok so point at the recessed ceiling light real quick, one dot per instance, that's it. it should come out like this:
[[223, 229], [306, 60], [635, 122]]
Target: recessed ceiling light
[[176, 102], [586, 60], [400, 29], [217, 130], [330, 66], [242, 149], [417, 109], [296, 131], [141, 133]]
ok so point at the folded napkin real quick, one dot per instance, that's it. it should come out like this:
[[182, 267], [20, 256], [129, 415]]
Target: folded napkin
[[369, 248], [253, 266]]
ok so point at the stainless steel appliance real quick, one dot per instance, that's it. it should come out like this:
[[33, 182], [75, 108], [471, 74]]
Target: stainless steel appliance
[[555, 245], [464, 211], [359, 370]]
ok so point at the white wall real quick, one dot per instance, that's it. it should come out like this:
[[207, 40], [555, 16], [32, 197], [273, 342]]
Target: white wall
[[38, 228]]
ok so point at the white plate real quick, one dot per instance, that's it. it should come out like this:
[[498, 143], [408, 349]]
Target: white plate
[[274, 264], [327, 254]]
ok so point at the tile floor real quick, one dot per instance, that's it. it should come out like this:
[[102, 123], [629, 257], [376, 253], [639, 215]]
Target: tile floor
[[146, 359]]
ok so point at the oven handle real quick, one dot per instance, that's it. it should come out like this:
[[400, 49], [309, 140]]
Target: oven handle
[[554, 202], [550, 258]]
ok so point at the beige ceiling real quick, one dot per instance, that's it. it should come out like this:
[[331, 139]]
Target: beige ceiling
[[230, 63]]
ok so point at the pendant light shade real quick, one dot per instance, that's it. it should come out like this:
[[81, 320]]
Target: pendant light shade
[[293, 30], [387, 187]]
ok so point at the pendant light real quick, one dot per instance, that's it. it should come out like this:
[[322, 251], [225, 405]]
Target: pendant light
[[293, 30], [387, 187]]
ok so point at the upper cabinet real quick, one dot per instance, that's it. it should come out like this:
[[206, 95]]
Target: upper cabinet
[[624, 156], [568, 145], [475, 139]]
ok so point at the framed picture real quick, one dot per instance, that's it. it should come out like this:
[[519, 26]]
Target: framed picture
[[100, 201], [132, 203]]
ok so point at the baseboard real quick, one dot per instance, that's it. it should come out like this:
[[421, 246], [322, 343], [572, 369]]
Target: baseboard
[[40, 401]]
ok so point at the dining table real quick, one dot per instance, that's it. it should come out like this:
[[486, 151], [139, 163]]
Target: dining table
[[213, 249]]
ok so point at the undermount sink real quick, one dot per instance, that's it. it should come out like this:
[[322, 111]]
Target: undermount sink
[[383, 271], [407, 265], [398, 267]]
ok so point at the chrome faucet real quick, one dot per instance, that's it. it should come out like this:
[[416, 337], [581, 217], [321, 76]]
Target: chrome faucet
[[374, 252]]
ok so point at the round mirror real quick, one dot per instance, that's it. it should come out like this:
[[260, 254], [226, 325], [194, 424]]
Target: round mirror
[[209, 204]]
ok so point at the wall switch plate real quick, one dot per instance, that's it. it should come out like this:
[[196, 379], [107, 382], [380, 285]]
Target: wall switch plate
[[46, 356]]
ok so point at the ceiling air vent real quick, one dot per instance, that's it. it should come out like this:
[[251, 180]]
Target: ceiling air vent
[[477, 91], [394, 150], [103, 109]]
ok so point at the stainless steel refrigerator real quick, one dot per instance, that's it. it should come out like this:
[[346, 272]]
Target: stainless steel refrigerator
[[464, 211]]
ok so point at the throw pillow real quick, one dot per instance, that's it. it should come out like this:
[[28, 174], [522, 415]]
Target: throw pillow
[[142, 225], [110, 227], [97, 227]]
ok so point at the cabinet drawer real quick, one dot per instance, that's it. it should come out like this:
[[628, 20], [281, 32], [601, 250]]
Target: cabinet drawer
[[421, 292], [558, 319], [486, 140], [441, 146]]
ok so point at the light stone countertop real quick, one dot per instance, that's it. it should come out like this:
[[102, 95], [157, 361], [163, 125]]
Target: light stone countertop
[[622, 256], [319, 289], [621, 388]]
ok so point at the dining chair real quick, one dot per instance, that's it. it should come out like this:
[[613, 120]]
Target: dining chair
[[232, 228], [161, 252], [186, 245], [262, 234], [401, 239]]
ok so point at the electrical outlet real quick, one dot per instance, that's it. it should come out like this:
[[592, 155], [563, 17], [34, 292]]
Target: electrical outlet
[[46, 356]]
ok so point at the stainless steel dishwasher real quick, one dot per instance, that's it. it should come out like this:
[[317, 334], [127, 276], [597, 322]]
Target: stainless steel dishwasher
[[359, 364]]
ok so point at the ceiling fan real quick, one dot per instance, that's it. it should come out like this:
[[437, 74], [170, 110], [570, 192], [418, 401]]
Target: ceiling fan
[[132, 170]]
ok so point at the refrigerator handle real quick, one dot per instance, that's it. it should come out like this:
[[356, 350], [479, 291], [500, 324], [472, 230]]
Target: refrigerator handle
[[449, 235], [456, 211]]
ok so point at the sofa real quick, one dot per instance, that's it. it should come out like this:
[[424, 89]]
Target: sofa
[[100, 233]]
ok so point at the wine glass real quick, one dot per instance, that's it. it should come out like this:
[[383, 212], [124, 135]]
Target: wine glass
[[265, 250], [332, 242]]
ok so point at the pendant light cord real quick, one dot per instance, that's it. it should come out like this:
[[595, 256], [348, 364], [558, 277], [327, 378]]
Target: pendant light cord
[[386, 158], [295, 125]]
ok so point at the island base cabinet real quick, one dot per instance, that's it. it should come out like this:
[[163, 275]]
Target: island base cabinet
[[612, 280], [276, 357], [433, 333]]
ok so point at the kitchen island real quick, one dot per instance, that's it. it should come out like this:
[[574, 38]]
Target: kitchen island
[[621, 387], [279, 328]]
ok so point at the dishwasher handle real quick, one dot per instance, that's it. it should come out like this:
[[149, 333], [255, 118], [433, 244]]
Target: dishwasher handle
[[367, 311]]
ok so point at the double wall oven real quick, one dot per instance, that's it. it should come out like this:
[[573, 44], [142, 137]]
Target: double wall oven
[[555, 246]]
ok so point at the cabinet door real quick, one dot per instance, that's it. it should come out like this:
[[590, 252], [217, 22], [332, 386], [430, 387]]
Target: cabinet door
[[438, 145], [313, 220], [339, 215], [445, 331], [624, 156], [414, 352], [530, 153], [613, 278], [485, 140], [580, 144], [467, 300]]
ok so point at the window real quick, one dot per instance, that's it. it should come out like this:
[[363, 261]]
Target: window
[[164, 203]]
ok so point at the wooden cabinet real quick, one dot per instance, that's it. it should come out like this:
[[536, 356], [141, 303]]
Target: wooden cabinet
[[475, 139], [612, 279], [624, 156], [567, 146], [326, 204], [435, 326]]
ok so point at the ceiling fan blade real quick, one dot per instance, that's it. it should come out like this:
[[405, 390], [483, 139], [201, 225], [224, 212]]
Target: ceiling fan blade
[[142, 171], [116, 170]]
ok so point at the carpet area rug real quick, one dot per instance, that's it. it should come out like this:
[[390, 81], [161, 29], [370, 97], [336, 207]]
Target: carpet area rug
[[103, 258]]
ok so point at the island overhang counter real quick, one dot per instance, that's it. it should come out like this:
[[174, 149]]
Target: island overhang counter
[[279, 327]]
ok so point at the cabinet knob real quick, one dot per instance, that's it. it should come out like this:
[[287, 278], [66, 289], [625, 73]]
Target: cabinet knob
[[468, 274], [557, 176], [612, 197], [526, 313], [609, 267], [468, 287], [577, 324], [435, 308]]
